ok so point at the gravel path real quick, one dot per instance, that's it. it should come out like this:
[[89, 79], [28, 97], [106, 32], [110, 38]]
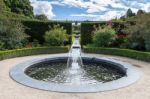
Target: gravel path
[[10, 89]]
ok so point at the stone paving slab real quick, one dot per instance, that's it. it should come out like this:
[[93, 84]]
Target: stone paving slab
[[10, 89]]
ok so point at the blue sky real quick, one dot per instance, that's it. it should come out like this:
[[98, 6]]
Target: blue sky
[[87, 9]]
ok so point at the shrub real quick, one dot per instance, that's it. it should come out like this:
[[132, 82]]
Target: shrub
[[12, 34], [139, 34], [136, 41], [145, 56], [103, 37], [87, 29], [31, 51], [56, 36]]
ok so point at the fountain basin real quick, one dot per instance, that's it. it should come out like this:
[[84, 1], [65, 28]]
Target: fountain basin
[[129, 76]]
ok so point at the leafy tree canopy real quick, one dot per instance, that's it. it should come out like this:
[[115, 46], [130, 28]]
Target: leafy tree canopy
[[2, 6], [20, 7], [130, 13], [41, 17], [140, 12]]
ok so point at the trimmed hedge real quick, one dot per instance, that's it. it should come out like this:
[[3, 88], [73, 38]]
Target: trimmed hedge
[[37, 29], [87, 29], [31, 51], [144, 56]]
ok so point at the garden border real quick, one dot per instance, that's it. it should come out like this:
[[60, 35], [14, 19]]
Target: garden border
[[139, 55], [31, 51]]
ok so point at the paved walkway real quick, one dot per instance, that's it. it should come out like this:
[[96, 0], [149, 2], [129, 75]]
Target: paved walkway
[[9, 89]]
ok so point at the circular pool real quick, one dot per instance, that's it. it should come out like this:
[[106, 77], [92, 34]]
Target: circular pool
[[96, 74]]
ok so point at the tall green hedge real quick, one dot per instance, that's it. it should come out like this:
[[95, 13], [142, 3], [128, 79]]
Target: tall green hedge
[[37, 29], [87, 29], [31, 51], [144, 56]]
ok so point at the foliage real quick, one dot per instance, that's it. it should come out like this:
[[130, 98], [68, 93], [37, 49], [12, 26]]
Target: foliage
[[35, 43], [140, 12], [120, 41], [2, 6], [76, 29], [130, 13], [145, 56], [41, 17], [20, 7], [87, 29], [123, 17], [56, 36], [6, 13], [12, 34], [10, 15], [103, 37], [139, 34], [31, 51], [36, 29]]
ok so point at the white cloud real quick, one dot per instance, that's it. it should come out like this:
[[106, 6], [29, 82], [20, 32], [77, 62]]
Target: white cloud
[[42, 7], [89, 5], [105, 17], [84, 15], [147, 7], [112, 8], [110, 15], [75, 3], [93, 6], [109, 8]]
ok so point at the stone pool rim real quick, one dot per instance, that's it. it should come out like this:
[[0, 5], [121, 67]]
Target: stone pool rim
[[17, 74]]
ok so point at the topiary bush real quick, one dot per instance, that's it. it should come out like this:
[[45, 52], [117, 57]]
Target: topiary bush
[[56, 36], [103, 37]]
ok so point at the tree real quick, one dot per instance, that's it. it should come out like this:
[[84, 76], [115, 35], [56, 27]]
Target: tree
[[140, 12], [103, 37], [56, 36], [41, 17], [20, 7], [12, 34], [130, 13], [3, 6]]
